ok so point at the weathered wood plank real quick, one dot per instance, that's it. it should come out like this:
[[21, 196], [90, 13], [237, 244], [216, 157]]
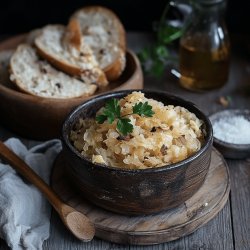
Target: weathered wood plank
[[240, 203], [216, 235]]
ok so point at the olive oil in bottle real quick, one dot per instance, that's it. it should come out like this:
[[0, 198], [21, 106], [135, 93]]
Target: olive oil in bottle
[[205, 48], [203, 68]]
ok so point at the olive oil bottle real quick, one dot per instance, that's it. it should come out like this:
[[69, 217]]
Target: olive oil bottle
[[205, 48]]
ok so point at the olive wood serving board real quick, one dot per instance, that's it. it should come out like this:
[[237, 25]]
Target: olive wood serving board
[[156, 228]]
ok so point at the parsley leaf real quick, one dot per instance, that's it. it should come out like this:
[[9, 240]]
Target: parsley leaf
[[168, 33], [112, 111], [157, 68], [155, 57], [113, 106], [110, 115], [143, 109], [124, 126], [101, 118]]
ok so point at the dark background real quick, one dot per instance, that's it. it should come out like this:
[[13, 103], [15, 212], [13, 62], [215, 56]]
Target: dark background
[[17, 16]]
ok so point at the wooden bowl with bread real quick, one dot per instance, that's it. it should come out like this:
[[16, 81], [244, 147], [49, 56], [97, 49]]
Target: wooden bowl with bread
[[50, 71]]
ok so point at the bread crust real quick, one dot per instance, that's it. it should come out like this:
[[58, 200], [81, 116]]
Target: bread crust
[[114, 70], [73, 34], [65, 66]]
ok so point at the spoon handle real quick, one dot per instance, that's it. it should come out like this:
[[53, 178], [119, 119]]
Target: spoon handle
[[22, 168]]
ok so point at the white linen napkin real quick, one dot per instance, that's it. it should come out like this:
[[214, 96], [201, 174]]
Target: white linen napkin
[[24, 212]]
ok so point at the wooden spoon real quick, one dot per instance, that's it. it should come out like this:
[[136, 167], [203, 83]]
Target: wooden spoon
[[76, 222]]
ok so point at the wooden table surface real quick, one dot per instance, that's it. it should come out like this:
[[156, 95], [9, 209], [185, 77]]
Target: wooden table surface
[[230, 229]]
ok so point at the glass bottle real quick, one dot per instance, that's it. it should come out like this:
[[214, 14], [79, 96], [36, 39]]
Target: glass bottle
[[205, 47]]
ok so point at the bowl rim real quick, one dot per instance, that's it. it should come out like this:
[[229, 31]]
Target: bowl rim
[[205, 146], [236, 146]]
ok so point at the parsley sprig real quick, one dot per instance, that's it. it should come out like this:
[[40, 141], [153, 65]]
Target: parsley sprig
[[112, 111], [155, 57]]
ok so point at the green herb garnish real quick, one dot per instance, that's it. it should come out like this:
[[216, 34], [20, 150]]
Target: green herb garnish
[[124, 126], [143, 109], [112, 111], [155, 57]]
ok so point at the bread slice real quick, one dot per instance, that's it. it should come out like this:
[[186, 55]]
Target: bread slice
[[66, 57], [105, 34], [38, 77], [73, 35]]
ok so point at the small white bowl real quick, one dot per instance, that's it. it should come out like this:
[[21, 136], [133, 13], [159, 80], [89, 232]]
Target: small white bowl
[[231, 150]]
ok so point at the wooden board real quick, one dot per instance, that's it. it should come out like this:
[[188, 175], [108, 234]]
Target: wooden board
[[240, 202], [157, 228]]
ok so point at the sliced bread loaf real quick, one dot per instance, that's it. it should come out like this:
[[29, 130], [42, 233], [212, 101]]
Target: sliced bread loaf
[[38, 77], [81, 62], [104, 33]]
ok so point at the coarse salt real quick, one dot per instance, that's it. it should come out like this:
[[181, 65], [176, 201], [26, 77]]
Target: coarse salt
[[235, 129]]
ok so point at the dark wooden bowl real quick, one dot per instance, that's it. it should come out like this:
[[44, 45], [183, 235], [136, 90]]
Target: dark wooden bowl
[[41, 118], [136, 191]]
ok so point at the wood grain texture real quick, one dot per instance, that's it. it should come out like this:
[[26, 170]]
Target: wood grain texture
[[41, 118], [152, 229], [240, 202]]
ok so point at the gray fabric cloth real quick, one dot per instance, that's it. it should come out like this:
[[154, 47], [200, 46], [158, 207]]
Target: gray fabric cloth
[[24, 212]]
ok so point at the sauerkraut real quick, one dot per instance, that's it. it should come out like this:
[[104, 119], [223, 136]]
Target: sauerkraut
[[171, 135]]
